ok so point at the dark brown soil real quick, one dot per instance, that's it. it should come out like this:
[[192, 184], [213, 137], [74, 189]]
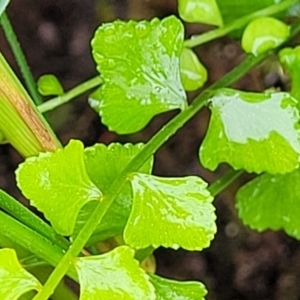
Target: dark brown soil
[[240, 264]]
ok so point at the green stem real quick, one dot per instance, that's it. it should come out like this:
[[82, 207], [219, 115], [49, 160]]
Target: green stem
[[32, 241], [224, 181], [63, 292], [201, 39], [151, 147], [76, 91], [32, 261], [20, 58], [28, 218], [237, 24], [67, 260]]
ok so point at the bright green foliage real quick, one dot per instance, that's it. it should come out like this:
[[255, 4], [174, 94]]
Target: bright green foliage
[[139, 66], [204, 11], [61, 185], [167, 289], [114, 275], [104, 164], [252, 131], [290, 58], [14, 279], [263, 34], [6, 242], [234, 9], [49, 85], [3, 5], [170, 212], [2, 137], [271, 202], [193, 73]]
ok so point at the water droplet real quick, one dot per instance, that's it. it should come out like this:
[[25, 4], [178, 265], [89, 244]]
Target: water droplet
[[110, 63], [142, 30], [157, 89]]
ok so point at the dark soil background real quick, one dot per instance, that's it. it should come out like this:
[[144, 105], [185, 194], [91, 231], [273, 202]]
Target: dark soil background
[[55, 35]]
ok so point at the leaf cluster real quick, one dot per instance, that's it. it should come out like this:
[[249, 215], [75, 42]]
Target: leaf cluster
[[91, 195]]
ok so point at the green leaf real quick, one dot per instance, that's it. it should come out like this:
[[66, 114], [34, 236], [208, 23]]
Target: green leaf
[[170, 212], [205, 11], [139, 66], [263, 34], [271, 202], [111, 161], [290, 58], [114, 275], [14, 279], [6, 242], [252, 131], [167, 289], [3, 5], [234, 9], [193, 73], [2, 137], [49, 85], [58, 185]]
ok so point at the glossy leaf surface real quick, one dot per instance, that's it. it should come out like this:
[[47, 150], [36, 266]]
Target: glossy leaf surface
[[252, 131], [114, 275], [104, 164], [49, 85], [271, 202], [139, 66], [204, 11], [234, 9], [170, 212], [167, 289], [3, 5], [14, 279], [263, 34], [290, 58], [193, 73], [61, 185]]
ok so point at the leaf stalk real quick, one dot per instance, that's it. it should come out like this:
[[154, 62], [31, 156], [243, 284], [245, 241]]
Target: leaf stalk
[[237, 24]]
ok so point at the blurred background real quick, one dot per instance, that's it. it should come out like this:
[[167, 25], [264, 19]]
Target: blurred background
[[55, 35]]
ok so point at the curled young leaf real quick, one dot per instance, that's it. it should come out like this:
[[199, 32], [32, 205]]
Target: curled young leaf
[[14, 279], [263, 34], [193, 73], [257, 132], [290, 58], [204, 11], [170, 212], [49, 85], [61, 185], [271, 202], [113, 275], [167, 289], [139, 66]]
